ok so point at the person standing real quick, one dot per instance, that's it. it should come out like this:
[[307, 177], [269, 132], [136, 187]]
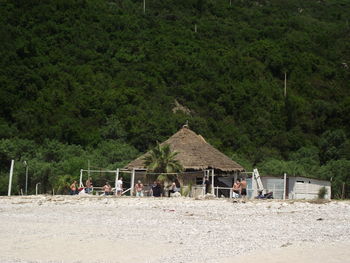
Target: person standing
[[119, 187], [139, 189], [207, 184], [244, 189]]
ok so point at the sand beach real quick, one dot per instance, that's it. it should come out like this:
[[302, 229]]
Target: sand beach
[[101, 229]]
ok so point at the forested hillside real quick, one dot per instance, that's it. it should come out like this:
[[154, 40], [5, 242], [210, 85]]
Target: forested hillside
[[101, 80]]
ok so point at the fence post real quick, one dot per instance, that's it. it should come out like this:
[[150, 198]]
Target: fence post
[[284, 186], [10, 179], [132, 182]]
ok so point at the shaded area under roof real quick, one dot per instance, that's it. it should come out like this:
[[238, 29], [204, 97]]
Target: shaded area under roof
[[193, 153]]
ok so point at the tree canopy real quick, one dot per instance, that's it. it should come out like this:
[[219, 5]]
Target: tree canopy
[[99, 79]]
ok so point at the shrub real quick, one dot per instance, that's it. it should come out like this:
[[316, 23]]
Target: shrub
[[322, 192]]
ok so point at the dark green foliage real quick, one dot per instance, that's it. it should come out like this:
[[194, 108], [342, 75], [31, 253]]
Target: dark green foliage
[[162, 160], [98, 79], [322, 192]]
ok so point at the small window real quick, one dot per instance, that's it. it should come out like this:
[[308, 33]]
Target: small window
[[300, 182]]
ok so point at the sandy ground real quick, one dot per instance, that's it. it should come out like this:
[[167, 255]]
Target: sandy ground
[[100, 229]]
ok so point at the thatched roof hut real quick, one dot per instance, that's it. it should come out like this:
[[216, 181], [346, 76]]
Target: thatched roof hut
[[194, 153]]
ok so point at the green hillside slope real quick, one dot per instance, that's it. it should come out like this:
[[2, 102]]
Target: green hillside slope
[[99, 80]]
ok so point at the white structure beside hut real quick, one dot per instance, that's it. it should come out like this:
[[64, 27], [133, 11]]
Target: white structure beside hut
[[295, 187]]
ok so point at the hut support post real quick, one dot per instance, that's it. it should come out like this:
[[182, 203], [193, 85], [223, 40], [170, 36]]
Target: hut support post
[[10, 179], [254, 185], [132, 182], [284, 186], [212, 181], [203, 184], [116, 179], [81, 178]]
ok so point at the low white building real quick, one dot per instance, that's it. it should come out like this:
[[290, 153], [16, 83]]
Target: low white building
[[295, 187]]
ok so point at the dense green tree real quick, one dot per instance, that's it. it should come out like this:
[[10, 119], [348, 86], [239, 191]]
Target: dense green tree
[[97, 80], [162, 160]]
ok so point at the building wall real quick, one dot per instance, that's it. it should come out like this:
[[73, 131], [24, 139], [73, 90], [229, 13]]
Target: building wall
[[306, 188], [298, 187]]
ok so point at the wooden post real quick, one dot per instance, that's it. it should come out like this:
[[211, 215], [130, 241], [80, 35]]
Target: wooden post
[[144, 6], [343, 191], [284, 186], [195, 28], [10, 179]]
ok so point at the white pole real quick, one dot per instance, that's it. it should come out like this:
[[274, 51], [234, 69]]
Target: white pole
[[10, 179], [254, 185], [144, 6], [203, 184], [212, 181], [284, 186], [81, 178], [116, 179], [36, 188], [132, 182], [26, 190]]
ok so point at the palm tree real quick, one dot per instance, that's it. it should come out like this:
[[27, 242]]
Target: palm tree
[[162, 160]]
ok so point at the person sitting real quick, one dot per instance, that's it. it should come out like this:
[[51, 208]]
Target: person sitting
[[139, 189], [73, 188], [268, 195], [88, 185], [107, 189], [175, 187], [157, 189], [236, 188], [260, 195]]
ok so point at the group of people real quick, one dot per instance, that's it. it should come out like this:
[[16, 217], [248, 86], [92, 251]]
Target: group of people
[[239, 188], [156, 190], [107, 188], [74, 190]]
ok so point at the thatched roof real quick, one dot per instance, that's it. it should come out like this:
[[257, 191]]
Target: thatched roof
[[193, 153]]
